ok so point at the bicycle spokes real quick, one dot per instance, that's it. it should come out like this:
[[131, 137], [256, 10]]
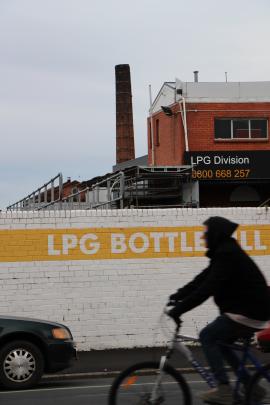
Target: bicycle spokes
[[146, 386]]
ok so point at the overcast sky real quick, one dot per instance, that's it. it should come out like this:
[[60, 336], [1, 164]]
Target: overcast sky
[[57, 79]]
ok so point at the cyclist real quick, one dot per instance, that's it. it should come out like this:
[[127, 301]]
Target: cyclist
[[241, 294]]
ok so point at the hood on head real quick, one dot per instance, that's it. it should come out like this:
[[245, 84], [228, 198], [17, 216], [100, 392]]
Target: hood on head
[[218, 229]]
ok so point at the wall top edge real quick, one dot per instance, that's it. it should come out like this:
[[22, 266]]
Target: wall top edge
[[128, 212]]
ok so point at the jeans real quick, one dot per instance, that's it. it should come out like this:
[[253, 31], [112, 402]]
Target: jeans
[[223, 330]]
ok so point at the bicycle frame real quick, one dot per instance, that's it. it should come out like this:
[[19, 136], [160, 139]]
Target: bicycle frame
[[178, 344]]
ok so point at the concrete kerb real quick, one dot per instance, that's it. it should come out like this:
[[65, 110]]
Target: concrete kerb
[[104, 374], [109, 363]]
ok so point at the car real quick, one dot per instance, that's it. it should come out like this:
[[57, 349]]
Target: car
[[31, 347]]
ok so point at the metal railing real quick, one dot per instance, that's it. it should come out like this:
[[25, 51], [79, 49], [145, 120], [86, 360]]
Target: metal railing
[[265, 203], [49, 193], [136, 187], [104, 194], [114, 186], [72, 201]]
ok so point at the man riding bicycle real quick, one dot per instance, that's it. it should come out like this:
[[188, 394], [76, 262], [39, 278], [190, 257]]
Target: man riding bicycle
[[239, 290]]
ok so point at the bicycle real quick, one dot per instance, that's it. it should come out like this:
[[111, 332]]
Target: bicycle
[[153, 383]]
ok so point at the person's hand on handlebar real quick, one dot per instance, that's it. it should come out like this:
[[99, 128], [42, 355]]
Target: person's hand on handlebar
[[171, 303], [174, 297], [173, 312], [173, 300]]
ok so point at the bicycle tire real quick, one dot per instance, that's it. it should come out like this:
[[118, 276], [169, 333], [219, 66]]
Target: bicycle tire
[[259, 387], [124, 387]]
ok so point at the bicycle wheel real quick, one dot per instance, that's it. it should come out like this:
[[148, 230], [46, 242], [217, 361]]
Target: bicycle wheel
[[136, 384], [258, 391]]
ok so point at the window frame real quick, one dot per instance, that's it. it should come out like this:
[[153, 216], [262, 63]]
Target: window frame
[[157, 130], [234, 139]]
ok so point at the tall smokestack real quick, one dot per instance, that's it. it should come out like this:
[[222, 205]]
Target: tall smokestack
[[124, 116], [196, 76]]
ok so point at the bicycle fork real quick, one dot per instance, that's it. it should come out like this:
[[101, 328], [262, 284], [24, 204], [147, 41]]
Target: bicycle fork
[[155, 391]]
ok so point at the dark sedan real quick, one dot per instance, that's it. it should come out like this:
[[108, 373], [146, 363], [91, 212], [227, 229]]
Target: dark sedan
[[31, 347]]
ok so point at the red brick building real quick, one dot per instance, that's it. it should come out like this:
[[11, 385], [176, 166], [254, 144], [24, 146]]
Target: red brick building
[[222, 129]]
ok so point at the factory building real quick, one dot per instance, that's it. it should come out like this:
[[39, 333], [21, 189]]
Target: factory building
[[222, 130]]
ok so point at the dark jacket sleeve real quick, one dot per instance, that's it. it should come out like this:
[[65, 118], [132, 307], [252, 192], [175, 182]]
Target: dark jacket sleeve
[[191, 286], [213, 280]]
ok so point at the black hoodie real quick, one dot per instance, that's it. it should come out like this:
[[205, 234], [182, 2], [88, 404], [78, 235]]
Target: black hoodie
[[232, 278]]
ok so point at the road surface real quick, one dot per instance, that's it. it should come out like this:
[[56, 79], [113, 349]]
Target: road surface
[[77, 392]]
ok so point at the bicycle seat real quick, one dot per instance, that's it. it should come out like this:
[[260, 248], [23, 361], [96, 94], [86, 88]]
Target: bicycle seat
[[263, 340]]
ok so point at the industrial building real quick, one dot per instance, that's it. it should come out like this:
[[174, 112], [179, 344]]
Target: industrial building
[[222, 130]]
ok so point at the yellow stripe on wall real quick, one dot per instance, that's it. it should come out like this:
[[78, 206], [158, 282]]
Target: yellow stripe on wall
[[119, 243]]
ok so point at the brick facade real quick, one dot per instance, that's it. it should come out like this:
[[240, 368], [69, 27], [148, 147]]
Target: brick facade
[[200, 125]]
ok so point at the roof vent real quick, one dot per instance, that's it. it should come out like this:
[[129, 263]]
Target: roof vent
[[196, 76]]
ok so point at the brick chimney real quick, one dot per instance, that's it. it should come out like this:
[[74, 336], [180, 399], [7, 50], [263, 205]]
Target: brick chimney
[[124, 116]]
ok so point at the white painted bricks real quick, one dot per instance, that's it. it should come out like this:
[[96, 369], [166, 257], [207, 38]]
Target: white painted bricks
[[110, 303]]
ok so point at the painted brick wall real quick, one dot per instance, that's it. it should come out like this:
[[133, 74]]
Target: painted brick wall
[[107, 274]]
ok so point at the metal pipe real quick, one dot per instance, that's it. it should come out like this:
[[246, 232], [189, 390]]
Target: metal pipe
[[185, 122], [52, 190], [182, 102]]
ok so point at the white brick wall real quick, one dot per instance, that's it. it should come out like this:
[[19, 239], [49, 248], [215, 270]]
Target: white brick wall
[[110, 303]]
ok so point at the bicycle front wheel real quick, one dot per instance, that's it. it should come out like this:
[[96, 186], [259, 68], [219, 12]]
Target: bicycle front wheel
[[140, 385], [258, 391]]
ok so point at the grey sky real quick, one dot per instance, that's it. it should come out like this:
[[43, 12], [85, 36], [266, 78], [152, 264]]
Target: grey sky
[[57, 85]]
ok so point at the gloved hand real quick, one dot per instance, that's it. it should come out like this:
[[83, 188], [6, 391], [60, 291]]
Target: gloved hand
[[171, 303], [175, 314], [174, 297]]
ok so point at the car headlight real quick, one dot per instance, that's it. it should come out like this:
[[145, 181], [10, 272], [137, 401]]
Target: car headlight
[[61, 333]]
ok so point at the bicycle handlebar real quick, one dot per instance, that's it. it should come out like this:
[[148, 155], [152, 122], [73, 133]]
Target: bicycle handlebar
[[166, 310]]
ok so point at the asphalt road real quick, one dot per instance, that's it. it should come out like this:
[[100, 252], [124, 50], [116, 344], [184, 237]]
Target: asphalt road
[[79, 392]]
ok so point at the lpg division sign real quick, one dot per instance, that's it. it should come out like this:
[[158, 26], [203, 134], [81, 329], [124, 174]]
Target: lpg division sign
[[119, 243], [234, 165]]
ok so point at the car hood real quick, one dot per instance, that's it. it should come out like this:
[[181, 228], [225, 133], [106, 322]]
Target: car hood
[[7, 318]]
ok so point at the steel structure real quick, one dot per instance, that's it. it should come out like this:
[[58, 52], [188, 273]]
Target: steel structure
[[133, 187], [42, 197]]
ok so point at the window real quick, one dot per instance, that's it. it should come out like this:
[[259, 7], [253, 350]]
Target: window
[[157, 133], [150, 135], [75, 190], [241, 128]]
